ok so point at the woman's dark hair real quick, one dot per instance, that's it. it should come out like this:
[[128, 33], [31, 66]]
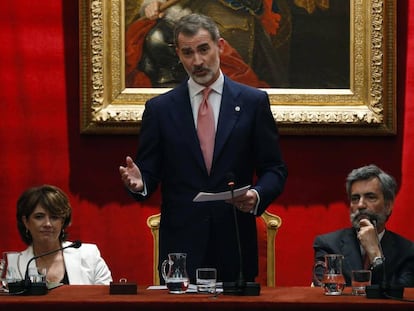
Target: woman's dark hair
[[52, 199]]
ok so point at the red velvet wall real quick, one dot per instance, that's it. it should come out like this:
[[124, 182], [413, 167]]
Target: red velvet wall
[[40, 143]]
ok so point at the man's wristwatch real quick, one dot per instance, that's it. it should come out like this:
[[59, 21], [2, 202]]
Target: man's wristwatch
[[378, 261]]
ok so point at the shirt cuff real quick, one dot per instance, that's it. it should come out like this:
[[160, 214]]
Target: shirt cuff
[[143, 192], [254, 210]]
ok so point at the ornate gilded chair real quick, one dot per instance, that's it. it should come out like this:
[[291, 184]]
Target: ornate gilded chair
[[267, 225]]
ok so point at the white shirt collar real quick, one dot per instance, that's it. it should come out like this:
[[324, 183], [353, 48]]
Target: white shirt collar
[[217, 86]]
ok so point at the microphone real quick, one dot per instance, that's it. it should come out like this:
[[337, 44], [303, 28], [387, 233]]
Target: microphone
[[28, 287], [240, 287], [383, 289], [231, 183]]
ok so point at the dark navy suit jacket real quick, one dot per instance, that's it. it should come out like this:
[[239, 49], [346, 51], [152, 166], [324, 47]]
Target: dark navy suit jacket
[[398, 253], [169, 155]]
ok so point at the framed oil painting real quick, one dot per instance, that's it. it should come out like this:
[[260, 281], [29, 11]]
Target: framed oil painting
[[328, 66]]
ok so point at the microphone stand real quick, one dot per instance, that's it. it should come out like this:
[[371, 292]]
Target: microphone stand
[[240, 287], [26, 286], [383, 290]]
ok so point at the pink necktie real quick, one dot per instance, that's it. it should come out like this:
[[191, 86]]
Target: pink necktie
[[205, 129]]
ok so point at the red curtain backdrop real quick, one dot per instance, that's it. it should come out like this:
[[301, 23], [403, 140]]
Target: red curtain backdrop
[[40, 143]]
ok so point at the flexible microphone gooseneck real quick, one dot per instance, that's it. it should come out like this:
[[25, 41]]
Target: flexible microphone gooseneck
[[27, 287], [383, 290], [240, 287], [240, 281]]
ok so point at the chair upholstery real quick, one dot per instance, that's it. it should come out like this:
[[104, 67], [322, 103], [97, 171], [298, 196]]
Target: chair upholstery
[[269, 221]]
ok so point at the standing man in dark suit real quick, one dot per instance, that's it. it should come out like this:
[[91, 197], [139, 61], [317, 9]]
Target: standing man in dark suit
[[371, 193], [245, 145]]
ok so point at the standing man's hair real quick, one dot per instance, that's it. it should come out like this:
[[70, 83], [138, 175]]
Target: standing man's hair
[[190, 24]]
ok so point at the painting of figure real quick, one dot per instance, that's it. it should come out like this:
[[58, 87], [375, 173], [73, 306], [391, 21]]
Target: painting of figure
[[269, 43]]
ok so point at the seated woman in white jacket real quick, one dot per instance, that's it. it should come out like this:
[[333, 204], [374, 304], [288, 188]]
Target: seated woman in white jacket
[[43, 214]]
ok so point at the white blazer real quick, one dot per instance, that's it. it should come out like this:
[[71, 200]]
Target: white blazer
[[84, 265]]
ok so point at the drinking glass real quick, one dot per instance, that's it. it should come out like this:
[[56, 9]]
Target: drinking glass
[[8, 274], [2, 265], [206, 280], [360, 279], [37, 275]]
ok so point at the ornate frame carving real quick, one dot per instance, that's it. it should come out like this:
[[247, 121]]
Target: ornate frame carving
[[368, 107]]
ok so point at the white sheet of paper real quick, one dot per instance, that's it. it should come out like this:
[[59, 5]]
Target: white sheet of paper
[[219, 196]]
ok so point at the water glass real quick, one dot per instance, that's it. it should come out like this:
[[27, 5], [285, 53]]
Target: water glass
[[360, 279], [8, 272], [2, 268], [206, 280], [37, 275]]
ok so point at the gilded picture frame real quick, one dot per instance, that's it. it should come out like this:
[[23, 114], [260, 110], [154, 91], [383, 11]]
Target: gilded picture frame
[[366, 107]]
